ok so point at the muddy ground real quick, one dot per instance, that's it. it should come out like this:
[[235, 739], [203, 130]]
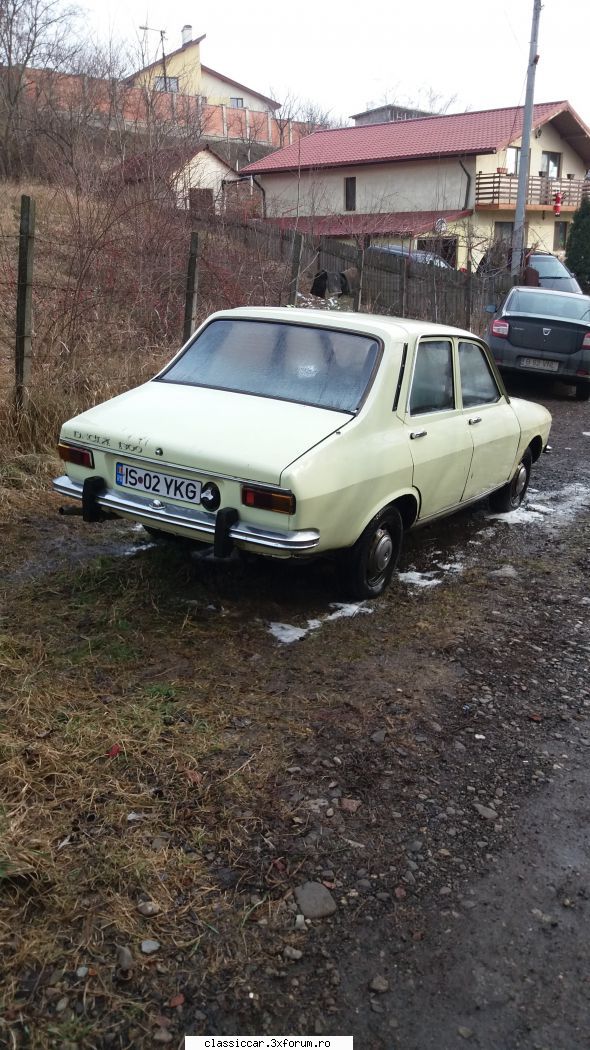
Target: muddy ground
[[208, 737]]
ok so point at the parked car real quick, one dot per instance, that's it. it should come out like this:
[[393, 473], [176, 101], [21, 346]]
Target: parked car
[[417, 255], [544, 332], [552, 273], [291, 433]]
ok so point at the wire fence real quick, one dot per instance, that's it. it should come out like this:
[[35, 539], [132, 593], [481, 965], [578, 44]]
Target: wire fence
[[109, 286]]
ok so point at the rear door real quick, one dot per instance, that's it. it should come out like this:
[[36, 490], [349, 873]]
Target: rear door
[[490, 419], [438, 437]]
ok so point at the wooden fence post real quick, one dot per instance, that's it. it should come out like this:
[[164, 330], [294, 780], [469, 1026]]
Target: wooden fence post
[[192, 287], [24, 296], [295, 267], [358, 295], [468, 295]]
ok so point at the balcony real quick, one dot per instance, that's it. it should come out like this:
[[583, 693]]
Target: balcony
[[499, 191]]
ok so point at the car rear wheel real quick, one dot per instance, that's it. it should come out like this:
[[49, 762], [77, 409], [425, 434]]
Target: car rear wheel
[[510, 496], [371, 562], [582, 391]]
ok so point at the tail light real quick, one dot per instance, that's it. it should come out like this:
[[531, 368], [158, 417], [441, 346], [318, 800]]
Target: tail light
[[268, 499], [586, 342], [500, 328], [82, 457]]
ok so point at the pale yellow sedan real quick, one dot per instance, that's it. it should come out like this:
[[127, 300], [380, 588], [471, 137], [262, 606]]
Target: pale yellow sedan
[[291, 433]]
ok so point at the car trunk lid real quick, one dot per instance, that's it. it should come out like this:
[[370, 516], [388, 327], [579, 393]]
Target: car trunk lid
[[553, 336], [213, 431]]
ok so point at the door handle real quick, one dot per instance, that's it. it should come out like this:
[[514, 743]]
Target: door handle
[[417, 434], [474, 420]]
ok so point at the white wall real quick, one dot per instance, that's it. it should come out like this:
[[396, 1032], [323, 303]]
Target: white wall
[[403, 186], [219, 92], [205, 172]]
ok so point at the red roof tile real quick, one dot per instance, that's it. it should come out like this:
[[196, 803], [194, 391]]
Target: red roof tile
[[454, 134], [398, 223]]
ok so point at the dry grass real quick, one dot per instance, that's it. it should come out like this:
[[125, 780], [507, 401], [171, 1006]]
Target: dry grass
[[126, 775]]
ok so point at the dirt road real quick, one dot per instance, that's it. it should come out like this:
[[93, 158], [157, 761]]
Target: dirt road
[[424, 757]]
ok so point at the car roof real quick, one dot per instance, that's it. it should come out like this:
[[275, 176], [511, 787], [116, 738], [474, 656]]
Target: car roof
[[547, 291], [378, 325]]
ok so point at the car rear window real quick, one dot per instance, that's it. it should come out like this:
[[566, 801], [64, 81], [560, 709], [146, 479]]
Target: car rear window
[[548, 304], [548, 266], [293, 362]]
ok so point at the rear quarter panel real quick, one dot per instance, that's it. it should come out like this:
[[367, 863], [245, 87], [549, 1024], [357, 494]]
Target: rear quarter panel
[[342, 483]]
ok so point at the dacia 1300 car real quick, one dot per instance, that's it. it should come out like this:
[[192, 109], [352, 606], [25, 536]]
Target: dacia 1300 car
[[291, 433]]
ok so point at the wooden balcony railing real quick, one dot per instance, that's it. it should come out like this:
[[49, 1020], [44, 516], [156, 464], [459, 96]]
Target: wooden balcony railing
[[498, 190]]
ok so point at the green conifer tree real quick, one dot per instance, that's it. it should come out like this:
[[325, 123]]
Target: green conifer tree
[[577, 252]]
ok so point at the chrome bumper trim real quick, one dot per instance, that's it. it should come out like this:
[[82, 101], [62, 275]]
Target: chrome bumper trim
[[196, 520]]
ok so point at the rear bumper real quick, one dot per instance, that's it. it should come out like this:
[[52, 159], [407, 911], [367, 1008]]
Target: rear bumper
[[189, 520], [509, 359]]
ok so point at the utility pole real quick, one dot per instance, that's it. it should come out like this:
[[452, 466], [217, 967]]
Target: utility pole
[[518, 244]]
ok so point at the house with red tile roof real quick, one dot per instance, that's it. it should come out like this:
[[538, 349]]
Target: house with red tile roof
[[451, 178]]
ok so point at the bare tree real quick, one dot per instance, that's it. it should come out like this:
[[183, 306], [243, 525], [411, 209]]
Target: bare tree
[[34, 35], [297, 117]]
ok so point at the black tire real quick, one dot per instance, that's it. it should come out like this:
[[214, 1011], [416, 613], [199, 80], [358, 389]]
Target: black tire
[[510, 496], [371, 562], [582, 391]]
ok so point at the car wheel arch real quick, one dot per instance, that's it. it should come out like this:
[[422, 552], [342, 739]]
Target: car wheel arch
[[535, 448], [406, 503]]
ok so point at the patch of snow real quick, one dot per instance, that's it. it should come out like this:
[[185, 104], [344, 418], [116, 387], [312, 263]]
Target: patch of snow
[[419, 579], [345, 609], [452, 566], [128, 552], [287, 633], [560, 505], [522, 516]]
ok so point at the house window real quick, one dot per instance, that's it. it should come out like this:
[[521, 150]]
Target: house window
[[167, 84], [503, 231], [236, 103], [560, 236], [551, 164], [350, 194], [513, 160]]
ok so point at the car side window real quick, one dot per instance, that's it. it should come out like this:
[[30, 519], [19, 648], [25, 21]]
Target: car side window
[[432, 383], [478, 384]]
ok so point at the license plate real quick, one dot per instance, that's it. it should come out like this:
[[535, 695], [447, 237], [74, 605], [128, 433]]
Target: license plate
[[536, 362], [158, 484]]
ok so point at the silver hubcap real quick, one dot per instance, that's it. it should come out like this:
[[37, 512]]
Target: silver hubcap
[[381, 553]]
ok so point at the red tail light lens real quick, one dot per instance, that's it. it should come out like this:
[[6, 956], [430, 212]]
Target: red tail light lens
[[500, 328], [82, 457], [268, 499], [586, 342]]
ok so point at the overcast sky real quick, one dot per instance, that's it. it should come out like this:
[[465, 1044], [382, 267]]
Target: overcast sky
[[345, 55]]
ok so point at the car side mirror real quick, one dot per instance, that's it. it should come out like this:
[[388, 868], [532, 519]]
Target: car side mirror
[[490, 308]]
